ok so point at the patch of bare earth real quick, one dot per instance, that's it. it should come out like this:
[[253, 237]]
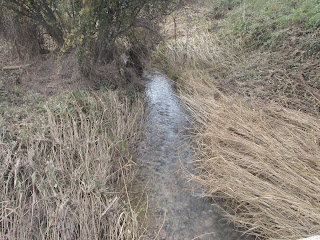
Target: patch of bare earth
[[49, 75]]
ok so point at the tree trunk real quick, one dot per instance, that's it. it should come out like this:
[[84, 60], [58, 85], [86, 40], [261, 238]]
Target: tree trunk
[[56, 33]]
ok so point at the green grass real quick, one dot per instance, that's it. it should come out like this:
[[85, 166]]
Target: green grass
[[259, 22]]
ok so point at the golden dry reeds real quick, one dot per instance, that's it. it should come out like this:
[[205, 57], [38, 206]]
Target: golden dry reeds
[[64, 169], [263, 162]]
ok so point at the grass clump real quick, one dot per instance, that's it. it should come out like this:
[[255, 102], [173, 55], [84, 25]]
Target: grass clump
[[262, 161], [65, 164]]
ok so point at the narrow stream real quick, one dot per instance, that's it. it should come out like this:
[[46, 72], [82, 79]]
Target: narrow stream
[[173, 203]]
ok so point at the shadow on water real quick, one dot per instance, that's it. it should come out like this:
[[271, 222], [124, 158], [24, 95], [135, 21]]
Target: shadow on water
[[162, 154]]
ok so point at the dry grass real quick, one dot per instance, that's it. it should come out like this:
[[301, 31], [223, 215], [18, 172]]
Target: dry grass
[[264, 162], [286, 73], [255, 117], [65, 165]]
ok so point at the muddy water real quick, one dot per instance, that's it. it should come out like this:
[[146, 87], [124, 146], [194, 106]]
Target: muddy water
[[173, 203]]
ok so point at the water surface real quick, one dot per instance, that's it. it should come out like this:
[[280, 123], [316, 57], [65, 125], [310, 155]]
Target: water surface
[[173, 202]]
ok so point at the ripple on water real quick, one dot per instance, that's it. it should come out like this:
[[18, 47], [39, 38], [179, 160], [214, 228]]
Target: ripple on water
[[187, 216]]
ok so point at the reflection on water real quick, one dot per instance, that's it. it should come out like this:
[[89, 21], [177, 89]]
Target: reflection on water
[[162, 153]]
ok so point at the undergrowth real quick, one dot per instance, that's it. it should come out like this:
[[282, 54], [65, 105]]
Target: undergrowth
[[65, 166]]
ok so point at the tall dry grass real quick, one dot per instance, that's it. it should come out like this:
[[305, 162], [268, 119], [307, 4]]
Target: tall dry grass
[[263, 162], [65, 167], [286, 75], [256, 129]]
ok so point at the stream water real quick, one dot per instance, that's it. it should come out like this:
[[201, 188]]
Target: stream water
[[174, 204]]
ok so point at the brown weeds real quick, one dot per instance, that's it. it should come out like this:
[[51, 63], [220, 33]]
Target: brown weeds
[[64, 168], [264, 162], [286, 74], [257, 131]]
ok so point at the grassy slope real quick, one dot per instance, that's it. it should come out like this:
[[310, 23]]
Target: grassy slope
[[249, 74], [65, 162]]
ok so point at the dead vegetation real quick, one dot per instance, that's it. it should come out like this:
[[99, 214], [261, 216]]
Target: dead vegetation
[[263, 162], [255, 115], [67, 139], [67, 147], [53, 74], [65, 165], [71, 115], [286, 75]]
